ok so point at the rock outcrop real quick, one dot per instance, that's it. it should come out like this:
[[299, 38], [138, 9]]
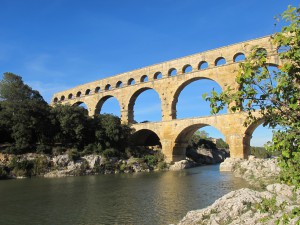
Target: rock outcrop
[[258, 172], [206, 152], [246, 206], [183, 164], [94, 164], [32, 164]]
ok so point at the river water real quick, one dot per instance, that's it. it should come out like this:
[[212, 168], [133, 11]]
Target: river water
[[141, 198]]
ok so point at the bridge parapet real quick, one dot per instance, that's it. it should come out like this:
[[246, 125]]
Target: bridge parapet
[[174, 133], [113, 83]]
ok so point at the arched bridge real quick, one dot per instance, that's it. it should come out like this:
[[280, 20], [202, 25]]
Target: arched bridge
[[168, 79]]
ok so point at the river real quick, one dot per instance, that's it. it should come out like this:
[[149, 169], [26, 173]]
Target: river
[[141, 198]]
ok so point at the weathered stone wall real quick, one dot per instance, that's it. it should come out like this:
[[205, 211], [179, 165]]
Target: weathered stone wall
[[174, 133]]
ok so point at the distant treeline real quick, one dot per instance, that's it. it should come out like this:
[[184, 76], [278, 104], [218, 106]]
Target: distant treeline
[[262, 153]]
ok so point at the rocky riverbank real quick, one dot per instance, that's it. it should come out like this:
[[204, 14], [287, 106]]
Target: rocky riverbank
[[249, 207], [32, 164], [257, 172], [272, 205], [72, 164]]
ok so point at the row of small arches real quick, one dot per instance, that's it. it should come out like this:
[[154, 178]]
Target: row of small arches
[[171, 72]]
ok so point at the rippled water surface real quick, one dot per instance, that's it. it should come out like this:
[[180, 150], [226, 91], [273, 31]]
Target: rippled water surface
[[144, 198]]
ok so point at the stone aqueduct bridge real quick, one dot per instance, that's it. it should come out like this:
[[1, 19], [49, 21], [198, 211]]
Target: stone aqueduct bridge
[[172, 133]]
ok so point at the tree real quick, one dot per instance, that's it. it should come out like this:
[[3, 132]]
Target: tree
[[5, 125], [23, 112], [220, 143], [28, 123], [275, 94], [74, 128], [71, 125], [199, 134], [112, 133]]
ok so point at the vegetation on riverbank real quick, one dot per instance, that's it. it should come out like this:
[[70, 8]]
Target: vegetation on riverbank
[[70, 164], [29, 125]]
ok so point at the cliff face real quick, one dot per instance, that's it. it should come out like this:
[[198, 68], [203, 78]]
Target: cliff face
[[207, 156], [206, 152], [204, 155]]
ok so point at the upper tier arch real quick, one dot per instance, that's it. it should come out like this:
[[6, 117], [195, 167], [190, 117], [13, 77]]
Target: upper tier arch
[[167, 86]]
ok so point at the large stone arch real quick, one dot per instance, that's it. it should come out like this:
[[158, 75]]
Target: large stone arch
[[87, 103], [248, 134], [133, 98], [182, 138], [145, 137], [78, 103], [180, 89], [103, 100]]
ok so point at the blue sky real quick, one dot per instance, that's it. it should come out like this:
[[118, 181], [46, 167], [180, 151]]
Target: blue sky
[[58, 44]]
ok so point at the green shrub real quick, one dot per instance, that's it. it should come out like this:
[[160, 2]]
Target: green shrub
[[58, 150], [99, 149], [259, 152], [23, 168], [84, 166], [13, 162], [137, 152], [285, 219], [3, 173], [110, 152], [269, 206], [220, 143], [88, 149], [14, 150], [41, 165], [46, 149], [160, 156], [91, 149], [73, 154], [162, 165], [151, 160], [122, 167], [108, 165]]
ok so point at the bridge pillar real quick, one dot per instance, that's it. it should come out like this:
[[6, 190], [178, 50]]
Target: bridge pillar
[[127, 117], [173, 151], [91, 112], [179, 151], [92, 105], [167, 112], [239, 145], [126, 112]]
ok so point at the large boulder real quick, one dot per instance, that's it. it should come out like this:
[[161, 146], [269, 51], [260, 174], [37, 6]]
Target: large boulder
[[258, 172], [206, 156], [229, 164], [180, 165]]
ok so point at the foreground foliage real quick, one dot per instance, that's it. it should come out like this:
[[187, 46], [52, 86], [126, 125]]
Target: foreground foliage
[[274, 93]]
